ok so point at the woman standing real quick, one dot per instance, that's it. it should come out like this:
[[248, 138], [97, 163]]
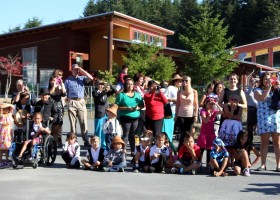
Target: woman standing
[[57, 91], [130, 103], [171, 95], [155, 101], [186, 108], [100, 97], [268, 121]]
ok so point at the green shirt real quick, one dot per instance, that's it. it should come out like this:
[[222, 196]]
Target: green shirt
[[123, 100]]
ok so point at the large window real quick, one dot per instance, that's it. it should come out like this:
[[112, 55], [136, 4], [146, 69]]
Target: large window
[[262, 59], [276, 59], [45, 75], [29, 60]]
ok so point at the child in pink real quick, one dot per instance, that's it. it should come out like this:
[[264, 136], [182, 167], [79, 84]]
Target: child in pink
[[6, 124], [207, 132]]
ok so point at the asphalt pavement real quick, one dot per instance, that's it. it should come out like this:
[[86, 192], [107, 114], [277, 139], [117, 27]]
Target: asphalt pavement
[[58, 182]]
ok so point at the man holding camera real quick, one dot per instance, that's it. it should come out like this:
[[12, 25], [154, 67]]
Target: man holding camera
[[75, 87], [251, 108]]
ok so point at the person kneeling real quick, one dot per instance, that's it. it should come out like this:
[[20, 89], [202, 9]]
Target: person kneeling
[[71, 151]]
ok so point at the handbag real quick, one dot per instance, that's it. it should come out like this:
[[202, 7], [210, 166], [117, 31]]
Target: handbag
[[167, 111]]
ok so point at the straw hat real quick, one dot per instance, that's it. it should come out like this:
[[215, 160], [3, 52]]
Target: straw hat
[[6, 105], [117, 139], [176, 77], [113, 109]]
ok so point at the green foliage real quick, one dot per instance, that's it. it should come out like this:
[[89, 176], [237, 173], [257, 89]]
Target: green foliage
[[90, 9], [146, 59], [34, 22], [106, 76], [206, 39]]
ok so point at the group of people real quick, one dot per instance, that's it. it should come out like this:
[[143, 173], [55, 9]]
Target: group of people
[[140, 110]]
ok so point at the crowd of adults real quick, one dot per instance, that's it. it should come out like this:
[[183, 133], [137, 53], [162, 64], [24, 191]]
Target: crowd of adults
[[141, 105]]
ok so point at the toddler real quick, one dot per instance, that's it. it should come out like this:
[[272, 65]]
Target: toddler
[[158, 154], [189, 157], [241, 154], [71, 151], [115, 160], [218, 158], [142, 155], [112, 127], [6, 123], [95, 155]]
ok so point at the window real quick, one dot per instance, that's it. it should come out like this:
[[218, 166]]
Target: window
[[137, 36], [45, 75], [276, 59], [262, 59], [29, 60], [248, 59]]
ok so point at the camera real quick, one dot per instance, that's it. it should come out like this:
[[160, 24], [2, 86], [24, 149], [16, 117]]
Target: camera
[[158, 87]]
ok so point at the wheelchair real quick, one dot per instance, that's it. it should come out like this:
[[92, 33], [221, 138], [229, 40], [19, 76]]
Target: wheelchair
[[44, 152]]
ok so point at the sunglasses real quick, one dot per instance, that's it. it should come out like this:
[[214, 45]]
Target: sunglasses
[[185, 81]]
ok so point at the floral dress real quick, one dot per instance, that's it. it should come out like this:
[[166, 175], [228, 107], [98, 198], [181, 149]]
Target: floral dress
[[6, 123], [268, 119]]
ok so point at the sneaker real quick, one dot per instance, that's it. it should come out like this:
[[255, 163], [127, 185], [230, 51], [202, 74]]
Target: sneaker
[[193, 171], [181, 170], [106, 169], [152, 169], [174, 170], [163, 172], [114, 169], [246, 172], [121, 169], [135, 169]]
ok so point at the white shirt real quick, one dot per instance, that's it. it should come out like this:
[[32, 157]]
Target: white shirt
[[142, 151], [171, 93], [94, 154], [112, 126], [162, 150]]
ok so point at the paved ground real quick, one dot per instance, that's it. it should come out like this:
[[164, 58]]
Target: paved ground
[[57, 182]]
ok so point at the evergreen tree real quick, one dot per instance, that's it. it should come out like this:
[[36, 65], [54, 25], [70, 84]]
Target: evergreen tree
[[148, 60], [34, 22], [206, 39], [90, 9]]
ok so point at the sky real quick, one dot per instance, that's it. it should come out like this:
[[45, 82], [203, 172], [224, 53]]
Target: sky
[[17, 12]]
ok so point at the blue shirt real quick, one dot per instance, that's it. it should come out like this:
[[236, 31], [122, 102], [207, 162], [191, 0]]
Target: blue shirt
[[75, 86], [220, 155]]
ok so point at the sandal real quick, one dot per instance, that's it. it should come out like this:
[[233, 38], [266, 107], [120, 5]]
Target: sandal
[[261, 169], [224, 174], [277, 169]]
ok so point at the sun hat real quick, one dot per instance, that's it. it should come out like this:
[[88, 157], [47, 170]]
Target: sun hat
[[113, 109], [44, 91], [117, 139], [176, 77], [219, 142], [6, 105]]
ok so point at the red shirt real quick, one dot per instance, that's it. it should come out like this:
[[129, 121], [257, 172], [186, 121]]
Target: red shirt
[[154, 105], [185, 155]]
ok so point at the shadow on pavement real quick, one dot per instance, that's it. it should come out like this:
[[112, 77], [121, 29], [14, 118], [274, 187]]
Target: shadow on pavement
[[264, 188]]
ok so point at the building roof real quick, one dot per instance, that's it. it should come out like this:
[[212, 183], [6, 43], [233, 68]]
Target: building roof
[[262, 67], [69, 23], [257, 43]]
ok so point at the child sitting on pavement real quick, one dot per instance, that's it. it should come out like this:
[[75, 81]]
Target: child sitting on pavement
[[218, 158], [112, 127], [115, 160], [189, 157], [158, 154], [142, 155], [95, 155], [241, 154], [71, 151]]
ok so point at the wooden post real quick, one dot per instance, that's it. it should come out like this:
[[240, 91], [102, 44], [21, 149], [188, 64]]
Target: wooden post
[[110, 46]]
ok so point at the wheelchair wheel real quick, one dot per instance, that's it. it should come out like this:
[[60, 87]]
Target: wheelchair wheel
[[35, 165], [50, 150]]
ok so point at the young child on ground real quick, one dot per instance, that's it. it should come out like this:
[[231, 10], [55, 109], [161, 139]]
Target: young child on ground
[[36, 128], [218, 158], [112, 127], [189, 157], [207, 132], [142, 155], [115, 160], [241, 154], [158, 154], [172, 157], [6, 132], [95, 155], [71, 151]]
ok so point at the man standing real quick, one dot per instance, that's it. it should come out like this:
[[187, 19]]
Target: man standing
[[76, 104], [251, 108]]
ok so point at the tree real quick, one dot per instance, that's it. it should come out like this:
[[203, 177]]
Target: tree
[[90, 9], [10, 66], [34, 22], [206, 39], [148, 60]]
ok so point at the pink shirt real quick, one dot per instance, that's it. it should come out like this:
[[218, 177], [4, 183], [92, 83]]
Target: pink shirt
[[186, 107], [208, 128]]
